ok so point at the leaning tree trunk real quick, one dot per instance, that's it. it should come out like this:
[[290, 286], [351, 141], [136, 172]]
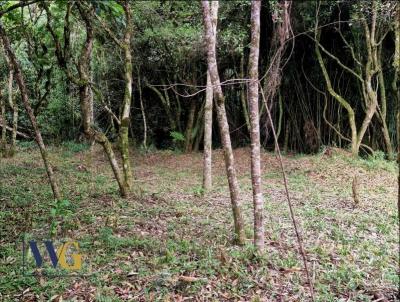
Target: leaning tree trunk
[[85, 102], [355, 147], [255, 127], [208, 113], [24, 94], [210, 40]]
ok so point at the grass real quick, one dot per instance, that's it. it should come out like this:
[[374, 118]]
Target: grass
[[172, 243]]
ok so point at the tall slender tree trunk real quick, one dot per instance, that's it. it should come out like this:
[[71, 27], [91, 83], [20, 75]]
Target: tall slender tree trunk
[[126, 107], [3, 139], [207, 153], [210, 40], [125, 119], [208, 112], [189, 127], [255, 127], [144, 143], [24, 94], [396, 79], [243, 98], [371, 68], [14, 105], [382, 113]]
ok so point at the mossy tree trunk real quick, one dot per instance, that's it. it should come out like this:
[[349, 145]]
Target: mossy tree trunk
[[125, 45], [82, 81], [126, 107]]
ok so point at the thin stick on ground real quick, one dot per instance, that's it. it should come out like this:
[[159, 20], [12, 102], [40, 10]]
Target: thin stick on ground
[[298, 234]]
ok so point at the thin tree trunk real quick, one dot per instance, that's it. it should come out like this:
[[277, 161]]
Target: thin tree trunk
[[223, 124], [144, 143], [383, 112], [14, 105], [286, 141], [3, 139], [189, 127], [207, 155], [243, 95], [371, 68], [255, 128], [208, 112], [355, 147], [395, 88], [84, 96], [199, 132], [167, 106], [281, 31], [278, 132], [125, 118], [24, 94]]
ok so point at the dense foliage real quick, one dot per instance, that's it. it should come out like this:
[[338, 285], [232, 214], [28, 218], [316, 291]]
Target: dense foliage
[[169, 68]]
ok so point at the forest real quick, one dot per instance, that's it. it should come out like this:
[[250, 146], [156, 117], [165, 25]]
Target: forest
[[243, 150]]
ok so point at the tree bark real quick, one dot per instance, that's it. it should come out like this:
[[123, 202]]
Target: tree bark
[[371, 68], [207, 153], [210, 40], [3, 139], [144, 143], [24, 94], [14, 105], [208, 112], [382, 113], [243, 94], [126, 111], [395, 88], [189, 127], [255, 128]]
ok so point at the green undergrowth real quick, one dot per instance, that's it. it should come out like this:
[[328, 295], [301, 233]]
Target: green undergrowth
[[143, 248]]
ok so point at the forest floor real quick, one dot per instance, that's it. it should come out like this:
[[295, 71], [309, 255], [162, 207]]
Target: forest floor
[[171, 244]]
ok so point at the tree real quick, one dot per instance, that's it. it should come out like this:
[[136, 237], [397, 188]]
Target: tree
[[12, 102], [3, 139], [255, 127], [368, 71], [280, 33], [125, 45], [210, 41], [25, 99], [82, 80], [208, 113]]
